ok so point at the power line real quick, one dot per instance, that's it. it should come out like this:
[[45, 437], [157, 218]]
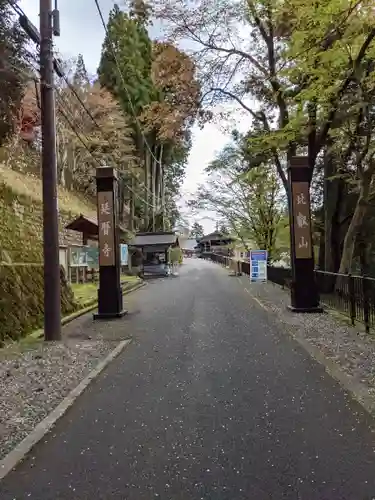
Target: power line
[[71, 87], [33, 33], [73, 127], [99, 127], [85, 145], [80, 100], [123, 80]]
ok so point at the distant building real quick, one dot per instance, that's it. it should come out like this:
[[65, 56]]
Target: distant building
[[188, 245], [215, 242]]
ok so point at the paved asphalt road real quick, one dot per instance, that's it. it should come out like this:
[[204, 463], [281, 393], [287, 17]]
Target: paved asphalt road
[[212, 401]]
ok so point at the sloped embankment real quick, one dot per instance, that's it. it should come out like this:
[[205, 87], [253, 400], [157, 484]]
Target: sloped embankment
[[21, 252]]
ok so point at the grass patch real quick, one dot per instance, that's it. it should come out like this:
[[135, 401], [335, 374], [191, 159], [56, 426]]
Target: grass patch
[[126, 278], [86, 293], [84, 296], [31, 187], [13, 349]]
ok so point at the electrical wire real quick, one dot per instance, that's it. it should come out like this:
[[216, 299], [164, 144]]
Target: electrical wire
[[17, 9], [70, 122], [60, 73], [85, 145], [123, 80], [34, 57], [80, 100], [99, 127], [72, 126], [71, 87]]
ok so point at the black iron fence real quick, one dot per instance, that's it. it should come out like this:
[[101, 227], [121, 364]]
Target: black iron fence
[[351, 295]]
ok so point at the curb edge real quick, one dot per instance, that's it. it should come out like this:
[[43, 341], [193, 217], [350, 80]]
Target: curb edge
[[15, 456], [87, 309], [356, 389]]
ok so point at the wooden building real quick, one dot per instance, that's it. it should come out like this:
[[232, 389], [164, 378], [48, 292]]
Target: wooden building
[[215, 242], [154, 249]]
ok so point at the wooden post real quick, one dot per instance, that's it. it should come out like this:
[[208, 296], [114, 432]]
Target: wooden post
[[304, 291], [110, 292]]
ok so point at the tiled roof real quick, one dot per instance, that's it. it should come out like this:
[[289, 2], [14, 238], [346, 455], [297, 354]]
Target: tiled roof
[[215, 236], [150, 239]]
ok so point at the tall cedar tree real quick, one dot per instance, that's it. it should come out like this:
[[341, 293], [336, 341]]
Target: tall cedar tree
[[12, 65]]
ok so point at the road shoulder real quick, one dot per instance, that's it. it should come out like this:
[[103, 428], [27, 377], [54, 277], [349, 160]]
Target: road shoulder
[[347, 354], [18, 453], [39, 381]]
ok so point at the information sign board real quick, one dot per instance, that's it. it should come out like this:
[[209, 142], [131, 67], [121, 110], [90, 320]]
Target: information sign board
[[258, 265]]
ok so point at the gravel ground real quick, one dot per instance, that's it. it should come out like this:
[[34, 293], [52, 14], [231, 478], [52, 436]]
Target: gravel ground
[[33, 383], [349, 347]]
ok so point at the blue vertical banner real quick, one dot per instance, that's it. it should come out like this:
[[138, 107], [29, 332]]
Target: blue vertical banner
[[258, 265], [124, 254]]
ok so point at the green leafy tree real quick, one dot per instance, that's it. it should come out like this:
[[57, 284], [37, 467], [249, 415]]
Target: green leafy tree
[[80, 77], [125, 70], [13, 64], [310, 80], [160, 94], [248, 204], [125, 64], [197, 230]]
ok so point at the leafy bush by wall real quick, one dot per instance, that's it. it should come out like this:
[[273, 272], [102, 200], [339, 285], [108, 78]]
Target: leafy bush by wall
[[22, 299]]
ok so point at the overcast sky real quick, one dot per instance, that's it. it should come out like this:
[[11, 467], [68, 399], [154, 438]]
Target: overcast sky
[[82, 32]]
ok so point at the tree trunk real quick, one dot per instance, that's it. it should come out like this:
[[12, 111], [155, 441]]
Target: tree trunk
[[364, 251], [338, 220], [322, 248], [163, 201], [146, 189], [153, 189], [354, 228], [132, 204], [121, 190], [329, 204], [159, 155]]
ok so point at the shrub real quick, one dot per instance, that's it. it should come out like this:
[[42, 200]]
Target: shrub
[[22, 299]]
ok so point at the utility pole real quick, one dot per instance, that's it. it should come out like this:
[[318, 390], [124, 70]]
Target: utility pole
[[52, 312]]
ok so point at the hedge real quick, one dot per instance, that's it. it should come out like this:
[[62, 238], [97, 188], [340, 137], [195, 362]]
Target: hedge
[[22, 299]]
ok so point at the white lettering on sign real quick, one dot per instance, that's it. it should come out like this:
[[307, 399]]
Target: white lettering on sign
[[104, 208], [303, 243], [105, 227], [106, 250], [301, 220], [301, 200]]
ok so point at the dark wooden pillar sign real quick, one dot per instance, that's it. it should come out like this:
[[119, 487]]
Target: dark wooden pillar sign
[[110, 291], [304, 292]]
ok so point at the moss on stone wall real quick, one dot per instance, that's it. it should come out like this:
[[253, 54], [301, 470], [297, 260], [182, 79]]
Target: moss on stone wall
[[21, 251], [22, 299], [20, 228], [21, 219]]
